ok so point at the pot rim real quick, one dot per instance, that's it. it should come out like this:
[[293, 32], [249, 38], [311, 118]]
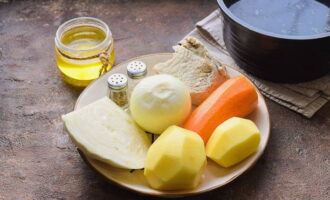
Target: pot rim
[[241, 22]]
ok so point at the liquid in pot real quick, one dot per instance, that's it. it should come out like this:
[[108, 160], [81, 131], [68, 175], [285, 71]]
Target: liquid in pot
[[285, 17]]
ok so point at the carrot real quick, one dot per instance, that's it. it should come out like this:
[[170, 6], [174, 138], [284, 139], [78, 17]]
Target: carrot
[[236, 97]]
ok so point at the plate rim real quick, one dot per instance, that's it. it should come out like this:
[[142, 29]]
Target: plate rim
[[164, 193]]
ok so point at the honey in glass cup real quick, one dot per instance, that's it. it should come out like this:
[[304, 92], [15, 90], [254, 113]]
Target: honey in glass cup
[[84, 50]]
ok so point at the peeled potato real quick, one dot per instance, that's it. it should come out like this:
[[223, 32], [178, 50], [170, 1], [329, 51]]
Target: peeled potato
[[233, 141], [175, 160], [160, 101]]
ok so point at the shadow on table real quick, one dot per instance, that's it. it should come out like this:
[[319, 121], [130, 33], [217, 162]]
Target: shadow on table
[[75, 90]]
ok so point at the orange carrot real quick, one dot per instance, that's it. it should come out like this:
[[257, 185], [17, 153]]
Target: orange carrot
[[236, 97]]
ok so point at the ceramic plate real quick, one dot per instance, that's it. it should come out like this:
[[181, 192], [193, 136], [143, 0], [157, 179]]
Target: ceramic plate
[[214, 175]]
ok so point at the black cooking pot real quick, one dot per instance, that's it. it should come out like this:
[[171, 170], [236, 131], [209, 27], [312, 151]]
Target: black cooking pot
[[272, 56]]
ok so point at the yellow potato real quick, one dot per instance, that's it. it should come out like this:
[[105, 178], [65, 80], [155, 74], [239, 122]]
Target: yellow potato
[[175, 160], [233, 141]]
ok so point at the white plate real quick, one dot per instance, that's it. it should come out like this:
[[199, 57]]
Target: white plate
[[214, 175]]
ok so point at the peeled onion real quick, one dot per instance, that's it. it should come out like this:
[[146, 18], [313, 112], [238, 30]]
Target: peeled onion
[[160, 101]]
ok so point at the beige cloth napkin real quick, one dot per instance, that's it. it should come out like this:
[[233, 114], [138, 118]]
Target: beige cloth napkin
[[305, 98]]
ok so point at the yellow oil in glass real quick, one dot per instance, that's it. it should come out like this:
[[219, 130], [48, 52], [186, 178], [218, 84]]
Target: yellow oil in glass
[[76, 71]]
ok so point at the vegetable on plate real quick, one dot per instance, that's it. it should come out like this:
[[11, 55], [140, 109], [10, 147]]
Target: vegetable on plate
[[160, 101], [233, 141], [105, 132], [236, 97], [176, 160]]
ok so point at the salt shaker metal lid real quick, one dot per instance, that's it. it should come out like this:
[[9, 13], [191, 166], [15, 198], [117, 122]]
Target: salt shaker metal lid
[[136, 69], [117, 81]]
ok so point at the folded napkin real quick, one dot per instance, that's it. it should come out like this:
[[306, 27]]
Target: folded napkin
[[305, 98]]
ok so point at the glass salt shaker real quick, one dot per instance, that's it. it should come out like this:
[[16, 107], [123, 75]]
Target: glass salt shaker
[[136, 71], [117, 84]]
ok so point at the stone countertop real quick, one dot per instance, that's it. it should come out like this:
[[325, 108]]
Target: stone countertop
[[37, 159]]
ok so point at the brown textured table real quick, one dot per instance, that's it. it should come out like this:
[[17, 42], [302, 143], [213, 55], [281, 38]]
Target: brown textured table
[[37, 160]]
